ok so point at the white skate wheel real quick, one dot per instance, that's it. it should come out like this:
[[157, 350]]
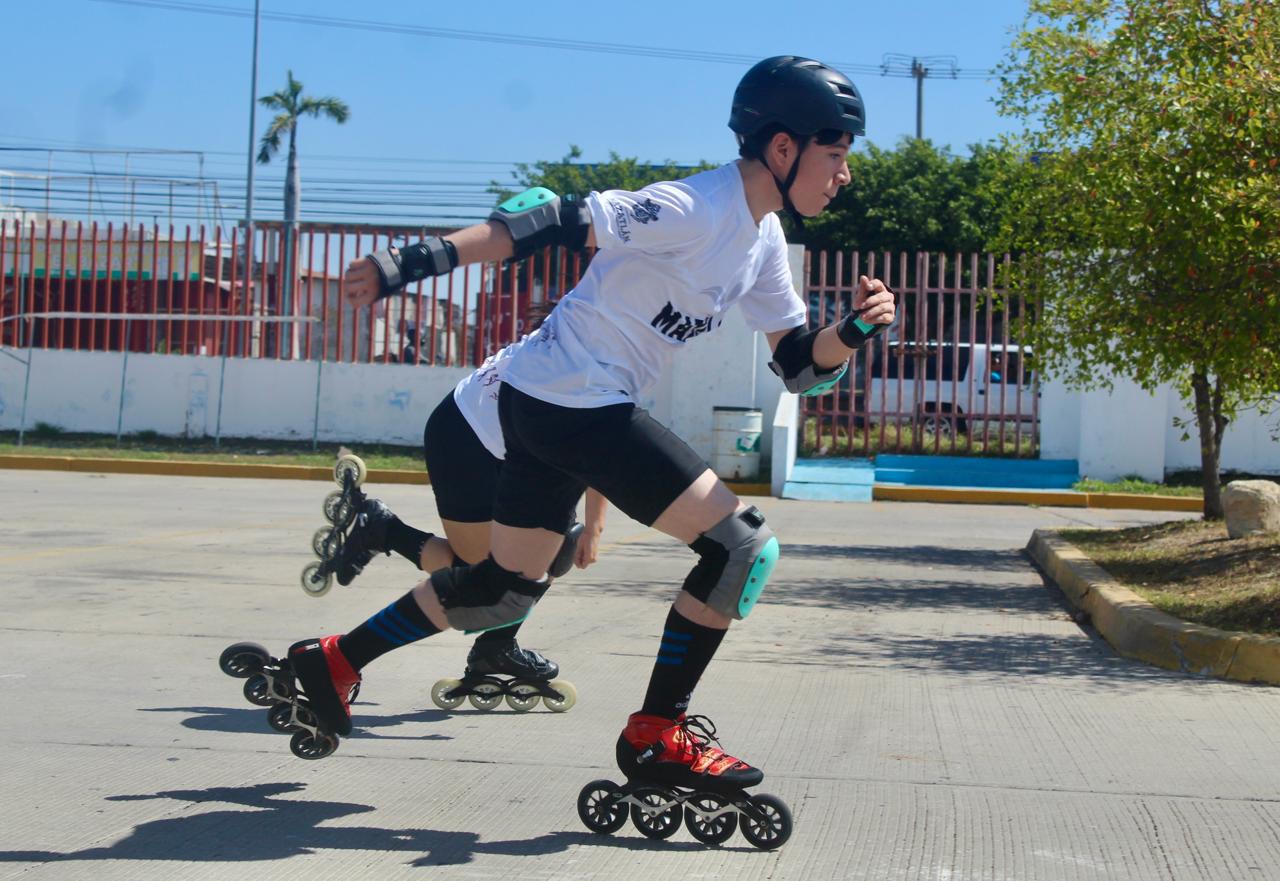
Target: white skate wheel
[[523, 697], [565, 703], [485, 695], [312, 584], [349, 464], [442, 688]]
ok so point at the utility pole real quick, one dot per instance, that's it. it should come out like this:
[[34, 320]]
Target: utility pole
[[248, 195], [919, 67]]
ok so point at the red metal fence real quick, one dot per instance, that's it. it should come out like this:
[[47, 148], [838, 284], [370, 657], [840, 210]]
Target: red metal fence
[[945, 378], [113, 271]]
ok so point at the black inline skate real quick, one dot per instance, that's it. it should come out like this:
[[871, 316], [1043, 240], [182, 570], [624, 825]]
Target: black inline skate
[[309, 691], [674, 772], [504, 670], [357, 530]]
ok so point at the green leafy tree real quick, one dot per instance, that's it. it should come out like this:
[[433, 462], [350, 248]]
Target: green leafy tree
[[292, 106], [569, 176], [1148, 206], [916, 197]]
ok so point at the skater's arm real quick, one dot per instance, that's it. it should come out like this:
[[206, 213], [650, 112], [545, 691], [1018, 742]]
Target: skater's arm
[[589, 544], [518, 227], [811, 362]]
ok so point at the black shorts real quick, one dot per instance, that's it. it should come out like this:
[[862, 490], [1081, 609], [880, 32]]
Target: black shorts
[[464, 475], [554, 453]]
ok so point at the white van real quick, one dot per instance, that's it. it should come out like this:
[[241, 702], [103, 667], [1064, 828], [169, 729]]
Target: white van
[[947, 388]]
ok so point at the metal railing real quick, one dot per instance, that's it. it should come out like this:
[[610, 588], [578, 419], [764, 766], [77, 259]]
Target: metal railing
[[947, 377]]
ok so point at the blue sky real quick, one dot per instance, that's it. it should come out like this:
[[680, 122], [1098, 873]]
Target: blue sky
[[454, 114]]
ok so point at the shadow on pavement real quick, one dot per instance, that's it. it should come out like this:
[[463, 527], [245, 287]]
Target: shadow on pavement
[[265, 826], [249, 720]]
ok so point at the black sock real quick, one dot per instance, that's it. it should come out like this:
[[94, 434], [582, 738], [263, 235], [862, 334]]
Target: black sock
[[501, 634], [398, 624], [406, 541], [687, 648]]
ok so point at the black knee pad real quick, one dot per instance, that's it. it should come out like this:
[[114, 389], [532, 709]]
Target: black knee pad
[[485, 596]]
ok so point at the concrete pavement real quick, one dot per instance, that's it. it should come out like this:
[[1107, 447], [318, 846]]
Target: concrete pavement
[[909, 683]]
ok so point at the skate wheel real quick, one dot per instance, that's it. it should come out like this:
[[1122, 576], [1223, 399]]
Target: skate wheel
[[313, 583], [243, 659], [523, 697], [338, 509], [658, 815], [306, 745], [485, 695], [440, 694], [327, 542], [599, 810], [352, 465], [771, 827], [710, 818], [568, 696], [280, 717], [257, 690]]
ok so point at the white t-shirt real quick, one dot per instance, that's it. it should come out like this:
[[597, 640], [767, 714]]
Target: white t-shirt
[[477, 397], [674, 257]]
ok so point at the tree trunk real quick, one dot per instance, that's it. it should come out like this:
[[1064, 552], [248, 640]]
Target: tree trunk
[[1211, 425], [288, 277]]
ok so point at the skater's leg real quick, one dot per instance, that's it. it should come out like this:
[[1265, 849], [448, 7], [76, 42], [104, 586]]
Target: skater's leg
[[468, 541], [407, 620]]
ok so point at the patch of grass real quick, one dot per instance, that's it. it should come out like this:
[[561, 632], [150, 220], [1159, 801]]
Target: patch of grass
[[150, 445], [1136, 485], [1192, 570]]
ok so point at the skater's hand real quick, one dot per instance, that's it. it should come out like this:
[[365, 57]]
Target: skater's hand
[[361, 283], [876, 301], [588, 548]]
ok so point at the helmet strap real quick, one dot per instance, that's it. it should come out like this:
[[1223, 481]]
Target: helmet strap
[[784, 186]]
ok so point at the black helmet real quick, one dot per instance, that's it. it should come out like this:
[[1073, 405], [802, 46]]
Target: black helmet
[[803, 95]]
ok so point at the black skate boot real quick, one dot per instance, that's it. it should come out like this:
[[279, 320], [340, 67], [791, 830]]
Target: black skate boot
[[368, 536], [675, 772], [484, 684], [509, 659]]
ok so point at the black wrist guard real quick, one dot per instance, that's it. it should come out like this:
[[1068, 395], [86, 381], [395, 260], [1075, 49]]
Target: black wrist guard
[[429, 257], [853, 331]]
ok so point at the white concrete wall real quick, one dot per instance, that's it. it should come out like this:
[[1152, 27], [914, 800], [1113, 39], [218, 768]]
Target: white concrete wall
[[80, 391], [1129, 431]]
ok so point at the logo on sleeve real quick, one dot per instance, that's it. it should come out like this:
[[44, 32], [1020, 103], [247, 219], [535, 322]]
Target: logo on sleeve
[[646, 211], [621, 222], [674, 324]]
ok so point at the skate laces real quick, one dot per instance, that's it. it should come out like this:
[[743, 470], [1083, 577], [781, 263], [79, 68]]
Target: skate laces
[[700, 733]]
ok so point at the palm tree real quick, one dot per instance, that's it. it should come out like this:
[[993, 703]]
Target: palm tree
[[292, 105]]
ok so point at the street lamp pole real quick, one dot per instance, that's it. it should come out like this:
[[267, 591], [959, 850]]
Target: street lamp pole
[[248, 195]]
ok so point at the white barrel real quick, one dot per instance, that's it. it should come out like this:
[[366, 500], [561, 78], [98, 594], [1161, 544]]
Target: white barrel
[[736, 441]]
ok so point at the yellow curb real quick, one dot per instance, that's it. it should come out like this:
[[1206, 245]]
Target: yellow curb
[[1060, 499], [245, 469], [1137, 629], [1145, 502]]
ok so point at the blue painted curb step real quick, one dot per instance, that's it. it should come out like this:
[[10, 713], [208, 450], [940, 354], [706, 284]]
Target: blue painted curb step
[[851, 480]]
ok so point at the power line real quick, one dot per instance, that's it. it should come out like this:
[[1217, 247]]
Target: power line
[[507, 39]]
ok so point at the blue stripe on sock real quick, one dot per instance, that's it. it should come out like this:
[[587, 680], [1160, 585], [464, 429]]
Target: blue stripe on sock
[[383, 633], [678, 637], [668, 647], [389, 623], [670, 660], [405, 624]]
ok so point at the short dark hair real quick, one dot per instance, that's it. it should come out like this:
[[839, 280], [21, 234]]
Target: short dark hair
[[753, 146]]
